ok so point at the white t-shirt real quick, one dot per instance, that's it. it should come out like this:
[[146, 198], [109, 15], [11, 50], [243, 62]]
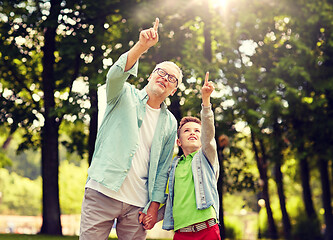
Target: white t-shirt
[[134, 190]]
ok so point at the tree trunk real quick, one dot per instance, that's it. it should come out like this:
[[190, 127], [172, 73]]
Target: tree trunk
[[278, 157], [272, 231], [207, 32], [326, 196], [50, 169], [304, 172], [285, 216], [305, 181], [93, 125], [175, 110], [222, 142], [262, 168], [50, 154], [7, 141]]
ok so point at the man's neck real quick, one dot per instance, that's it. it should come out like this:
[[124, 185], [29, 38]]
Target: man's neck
[[154, 104], [154, 101]]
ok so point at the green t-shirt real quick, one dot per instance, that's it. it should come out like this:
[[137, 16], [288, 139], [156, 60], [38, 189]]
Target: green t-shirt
[[185, 212]]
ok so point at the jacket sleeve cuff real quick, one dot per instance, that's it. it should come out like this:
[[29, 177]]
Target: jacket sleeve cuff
[[121, 62], [206, 110]]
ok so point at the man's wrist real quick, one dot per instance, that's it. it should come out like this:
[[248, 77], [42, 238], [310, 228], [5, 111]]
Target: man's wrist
[[141, 47]]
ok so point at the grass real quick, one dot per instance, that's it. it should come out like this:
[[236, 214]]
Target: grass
[[35, 237], [39, 237]]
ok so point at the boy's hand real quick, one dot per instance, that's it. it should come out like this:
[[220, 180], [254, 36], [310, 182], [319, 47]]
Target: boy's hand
[[145, 219], [207, 90], [149, 37]]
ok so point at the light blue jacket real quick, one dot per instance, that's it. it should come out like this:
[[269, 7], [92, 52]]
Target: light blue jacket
[[118, 136], [205, 170]]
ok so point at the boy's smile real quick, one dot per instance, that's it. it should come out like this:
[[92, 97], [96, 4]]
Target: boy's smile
[[192, 138]]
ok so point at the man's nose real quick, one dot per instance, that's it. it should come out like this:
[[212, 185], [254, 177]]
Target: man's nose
[[165, 78]]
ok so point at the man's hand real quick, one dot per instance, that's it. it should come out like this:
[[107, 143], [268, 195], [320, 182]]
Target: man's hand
[[207, 90], [149, 37]]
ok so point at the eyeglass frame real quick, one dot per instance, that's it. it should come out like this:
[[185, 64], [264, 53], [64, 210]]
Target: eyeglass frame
[[166, 74]]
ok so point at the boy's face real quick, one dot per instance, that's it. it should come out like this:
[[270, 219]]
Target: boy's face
[[189, 137]]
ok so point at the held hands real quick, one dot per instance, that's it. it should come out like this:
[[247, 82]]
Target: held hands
[[207, 90], [149, 37], [148, 220], [145, 220]]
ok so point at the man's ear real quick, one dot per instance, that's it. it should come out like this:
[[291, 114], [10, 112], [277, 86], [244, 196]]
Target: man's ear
[[179, 143], [173, 92]]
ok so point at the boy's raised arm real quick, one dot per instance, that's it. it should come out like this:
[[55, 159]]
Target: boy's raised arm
[[207, 120]]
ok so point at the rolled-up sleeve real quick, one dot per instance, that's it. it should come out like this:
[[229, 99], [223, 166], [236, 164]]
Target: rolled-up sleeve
[[116, 77]]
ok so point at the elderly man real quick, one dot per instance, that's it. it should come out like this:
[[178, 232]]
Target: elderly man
[[133, 150]]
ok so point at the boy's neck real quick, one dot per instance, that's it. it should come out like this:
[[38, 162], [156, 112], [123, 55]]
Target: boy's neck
[[189, 151]]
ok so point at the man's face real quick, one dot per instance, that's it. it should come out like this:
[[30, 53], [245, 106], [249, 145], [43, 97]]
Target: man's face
[[189, 137], [161, 86]]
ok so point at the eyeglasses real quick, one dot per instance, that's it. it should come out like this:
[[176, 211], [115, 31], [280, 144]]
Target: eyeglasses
[[163, 73]]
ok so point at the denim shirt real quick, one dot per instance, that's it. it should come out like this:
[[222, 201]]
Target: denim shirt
[[118, 136], [205, 170]]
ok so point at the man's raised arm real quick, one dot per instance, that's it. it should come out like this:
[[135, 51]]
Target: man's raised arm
[[147, 39]]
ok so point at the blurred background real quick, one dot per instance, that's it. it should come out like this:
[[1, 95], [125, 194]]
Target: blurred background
[[272, 65]]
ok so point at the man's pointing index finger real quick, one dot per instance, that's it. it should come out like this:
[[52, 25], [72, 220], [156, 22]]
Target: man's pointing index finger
[[157, 21]]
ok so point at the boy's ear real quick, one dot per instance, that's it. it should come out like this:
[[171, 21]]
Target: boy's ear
[[179, 143]]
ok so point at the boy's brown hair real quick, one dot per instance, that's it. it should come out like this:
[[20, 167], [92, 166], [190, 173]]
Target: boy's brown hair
[[185, 120]]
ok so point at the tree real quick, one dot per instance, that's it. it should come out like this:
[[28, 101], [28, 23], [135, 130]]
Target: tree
[[41, 46]]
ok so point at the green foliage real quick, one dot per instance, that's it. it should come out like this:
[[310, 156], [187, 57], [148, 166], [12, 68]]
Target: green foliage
[[235, 226], [19, 195], [5, 161], [72, 179], [282, 91], [22, 196], [74, 137], [24, 163]]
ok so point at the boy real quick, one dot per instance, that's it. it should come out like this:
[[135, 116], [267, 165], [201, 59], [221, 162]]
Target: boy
[[192, 206]]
